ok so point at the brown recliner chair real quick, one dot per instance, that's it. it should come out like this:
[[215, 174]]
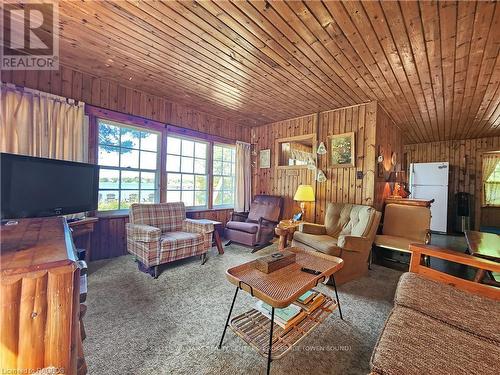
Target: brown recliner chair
[[256, 227], [348, 233]]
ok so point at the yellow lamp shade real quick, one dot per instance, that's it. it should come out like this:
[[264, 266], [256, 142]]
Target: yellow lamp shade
[[304, 193]]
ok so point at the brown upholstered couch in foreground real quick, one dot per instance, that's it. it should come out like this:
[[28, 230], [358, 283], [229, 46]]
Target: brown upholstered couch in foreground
[[441, 324], [348, 233]]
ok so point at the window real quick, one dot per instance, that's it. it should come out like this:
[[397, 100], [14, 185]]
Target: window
[[187, 172], [128, 157], [224, 162], [491, 175]]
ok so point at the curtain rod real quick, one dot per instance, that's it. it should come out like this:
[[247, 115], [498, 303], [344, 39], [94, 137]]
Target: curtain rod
[[33, 92]]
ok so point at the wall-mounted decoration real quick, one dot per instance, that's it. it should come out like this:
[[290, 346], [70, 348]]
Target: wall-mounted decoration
[[320, 177], [321, 149], [394, 159], [380, 162], [265, 158], [341, 148]]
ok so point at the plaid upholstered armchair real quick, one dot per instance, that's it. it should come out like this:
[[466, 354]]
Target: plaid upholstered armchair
[[160, 233]]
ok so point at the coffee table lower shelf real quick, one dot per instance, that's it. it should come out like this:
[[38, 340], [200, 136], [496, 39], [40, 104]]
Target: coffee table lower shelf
[[253, 328]]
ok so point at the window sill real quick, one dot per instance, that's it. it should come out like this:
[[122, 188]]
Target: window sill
[[125, 213]]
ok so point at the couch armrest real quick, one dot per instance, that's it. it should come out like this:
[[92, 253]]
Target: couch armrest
[[195, 226], [354, 243], [418, 265], [312, 228], [143, 233]]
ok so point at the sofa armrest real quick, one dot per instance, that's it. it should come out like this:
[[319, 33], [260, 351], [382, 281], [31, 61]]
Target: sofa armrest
[[354, 243], [418, 265], [312, 228], [195, 226], [143, 233]]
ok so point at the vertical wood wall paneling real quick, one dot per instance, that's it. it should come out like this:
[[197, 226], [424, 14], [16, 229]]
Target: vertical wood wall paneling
[[109, 236], [342, 184], [465, 158], [389, 139]]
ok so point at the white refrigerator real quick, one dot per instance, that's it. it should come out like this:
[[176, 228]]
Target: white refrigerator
[[430, 181]]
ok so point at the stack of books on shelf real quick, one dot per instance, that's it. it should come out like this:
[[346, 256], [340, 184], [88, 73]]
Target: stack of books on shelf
[[289, 316], [310, 301]]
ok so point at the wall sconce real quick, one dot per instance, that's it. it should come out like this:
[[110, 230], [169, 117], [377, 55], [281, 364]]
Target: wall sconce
[[321, 149], [320, 177]]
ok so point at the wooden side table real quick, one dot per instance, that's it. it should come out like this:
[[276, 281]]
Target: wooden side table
[[285, 230], [83, 229]]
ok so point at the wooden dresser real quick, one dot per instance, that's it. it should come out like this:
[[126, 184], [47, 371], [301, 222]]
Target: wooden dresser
[[39, 295]]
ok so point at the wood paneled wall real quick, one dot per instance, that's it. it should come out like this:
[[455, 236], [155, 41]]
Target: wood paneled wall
[[109, 236], [389, 140], [282, 182], [109, 94], [343, 184], [465, 158]]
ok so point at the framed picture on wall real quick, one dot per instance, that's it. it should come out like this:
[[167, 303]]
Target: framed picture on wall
[[265, 158], [341, 150]]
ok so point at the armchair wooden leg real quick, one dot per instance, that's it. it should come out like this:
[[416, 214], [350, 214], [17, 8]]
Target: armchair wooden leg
[[203, 258], [228, 243], [155, 272]]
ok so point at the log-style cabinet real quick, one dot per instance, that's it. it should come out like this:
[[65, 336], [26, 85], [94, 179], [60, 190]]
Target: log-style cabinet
[[39, 297]]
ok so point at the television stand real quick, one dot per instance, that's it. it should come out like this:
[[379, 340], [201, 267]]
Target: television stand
[[81, 231]]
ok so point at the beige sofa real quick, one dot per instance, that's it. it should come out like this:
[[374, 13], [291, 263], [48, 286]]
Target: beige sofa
[[441, 324], [348, 233], [404, 225]]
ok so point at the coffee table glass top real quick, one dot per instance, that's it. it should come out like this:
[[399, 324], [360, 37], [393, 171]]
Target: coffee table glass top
[[281, 287], [485, 245]]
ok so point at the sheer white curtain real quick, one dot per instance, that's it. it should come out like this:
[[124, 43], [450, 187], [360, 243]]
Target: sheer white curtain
[[39, 124], [491, 195], [243, 177]]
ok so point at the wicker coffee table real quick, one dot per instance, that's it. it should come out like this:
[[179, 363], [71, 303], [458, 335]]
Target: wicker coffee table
[[279, 289]]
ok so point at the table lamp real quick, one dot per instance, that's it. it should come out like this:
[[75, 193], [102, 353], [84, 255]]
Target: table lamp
[[304, 193]]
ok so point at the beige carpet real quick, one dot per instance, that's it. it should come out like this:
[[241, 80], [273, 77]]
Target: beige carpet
[[172, 325]]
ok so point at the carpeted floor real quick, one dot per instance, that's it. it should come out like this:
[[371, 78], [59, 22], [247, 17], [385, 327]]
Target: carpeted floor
[[138, 325]]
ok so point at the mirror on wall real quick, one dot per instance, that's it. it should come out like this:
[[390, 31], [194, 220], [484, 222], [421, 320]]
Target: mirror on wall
[[296, 152]]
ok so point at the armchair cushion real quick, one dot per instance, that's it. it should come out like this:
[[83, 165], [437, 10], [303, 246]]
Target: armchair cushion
[[397, 218], [267, 206], [393, 242], [323, 242], [143, 233], [194, 226], [311, 228], [243, 226], [178, 240], [168, 217]]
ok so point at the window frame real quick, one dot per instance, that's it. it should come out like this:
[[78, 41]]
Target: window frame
[[224, 145], [120, 169], [207, 168], [95, 113]]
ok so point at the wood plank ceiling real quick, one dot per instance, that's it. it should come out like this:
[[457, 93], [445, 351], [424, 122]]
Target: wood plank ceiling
[[433, 66]]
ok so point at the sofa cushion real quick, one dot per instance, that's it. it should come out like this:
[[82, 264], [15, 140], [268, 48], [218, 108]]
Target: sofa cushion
[[413, 343], [393, 242], [243, 226], [398, 216], [178, 240], [467, 311], [323, 243]]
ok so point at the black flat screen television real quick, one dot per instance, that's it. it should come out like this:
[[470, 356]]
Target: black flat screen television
[[37, 187]]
